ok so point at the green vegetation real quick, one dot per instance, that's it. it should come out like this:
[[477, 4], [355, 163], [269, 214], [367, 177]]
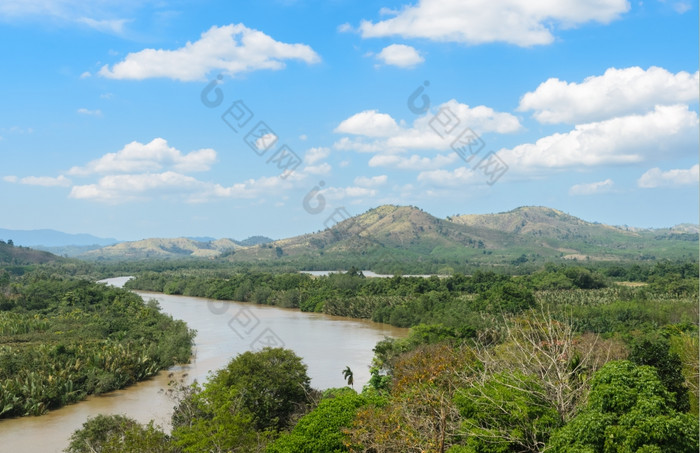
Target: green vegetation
[[62, 339], [243, 405], [598, 303], [564, 359]]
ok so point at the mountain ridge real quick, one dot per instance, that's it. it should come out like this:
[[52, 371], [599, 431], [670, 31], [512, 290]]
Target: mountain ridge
[[526, 233]]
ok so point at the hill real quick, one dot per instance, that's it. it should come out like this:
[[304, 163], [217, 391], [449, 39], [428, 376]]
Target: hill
[[388, 236], [22, 256], [158, 248], [392, 234]]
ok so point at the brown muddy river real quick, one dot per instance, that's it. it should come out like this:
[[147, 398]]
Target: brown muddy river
[[327, 344]]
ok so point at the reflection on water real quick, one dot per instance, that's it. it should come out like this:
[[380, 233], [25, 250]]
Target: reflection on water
[[327, 344]]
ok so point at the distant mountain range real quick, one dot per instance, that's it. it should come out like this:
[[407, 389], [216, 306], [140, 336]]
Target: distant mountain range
[[77, 245], [52, 238], [408, 234]]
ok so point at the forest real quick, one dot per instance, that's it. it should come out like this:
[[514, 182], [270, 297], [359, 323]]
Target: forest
[[564, 359], [63, 338]]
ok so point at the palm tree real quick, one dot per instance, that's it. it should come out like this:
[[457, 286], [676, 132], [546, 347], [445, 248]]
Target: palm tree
[[347, 375]]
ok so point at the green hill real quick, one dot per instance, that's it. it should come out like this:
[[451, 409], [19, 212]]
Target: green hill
[[387, 235], [22, 256]]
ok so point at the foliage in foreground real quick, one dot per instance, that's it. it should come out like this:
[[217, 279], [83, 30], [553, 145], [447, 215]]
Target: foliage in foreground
[[62, 339], [596, 370]]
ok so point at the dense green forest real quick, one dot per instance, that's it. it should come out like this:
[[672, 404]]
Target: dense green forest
[[62, 339], [666, 293], [564, 359]]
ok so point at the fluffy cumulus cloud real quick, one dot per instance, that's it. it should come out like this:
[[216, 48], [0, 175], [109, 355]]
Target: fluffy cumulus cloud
[[369, 123], [147, 157], [123, 188], [671, 178], [231, 49], [519, 22], [664, 132], [400, 55], [592, 188], [616, 92], [437, 130], [157, 171]]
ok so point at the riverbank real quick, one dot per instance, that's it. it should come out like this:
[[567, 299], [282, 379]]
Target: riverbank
[[327, 344]]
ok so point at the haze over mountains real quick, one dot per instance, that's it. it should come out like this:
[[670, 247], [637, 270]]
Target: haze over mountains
[[411, 234]]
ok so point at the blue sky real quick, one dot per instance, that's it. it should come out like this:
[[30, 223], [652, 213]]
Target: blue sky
[[114, 115]]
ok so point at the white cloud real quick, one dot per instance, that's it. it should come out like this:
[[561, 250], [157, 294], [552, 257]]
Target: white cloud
[[85, 75], [413, 162], [84, 111], [266, 141], [232, 49], [142, 172], [400, 55], [105, 16], [671, 178], [379, 132], [456, 178], [122, 188], [115, 189], [44, 181], [107, 25], [634, 138], [369, 123], [616, 92], [519, 22], [322, 169], [149, 157], [345, 28], [680, 6], [341, 193], [314, 155], [374, 181], [592, 188]]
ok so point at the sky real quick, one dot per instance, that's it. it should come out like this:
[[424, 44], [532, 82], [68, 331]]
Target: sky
[[136, 119]]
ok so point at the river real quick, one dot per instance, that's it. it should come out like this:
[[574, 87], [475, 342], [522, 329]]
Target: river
[[327, 344]]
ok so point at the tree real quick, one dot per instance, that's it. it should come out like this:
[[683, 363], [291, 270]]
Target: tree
[[507, 412], [117, 433], [506, 297], [656, 352], [550, 350], [420, 415], [244, 404], [321, 430], [685, 344], [628, 410], [348, 376]]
